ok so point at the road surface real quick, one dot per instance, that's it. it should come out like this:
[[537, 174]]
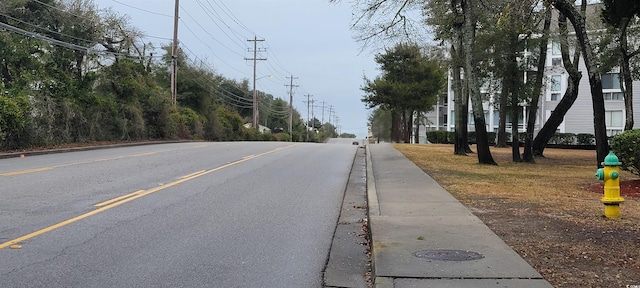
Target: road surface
[[199, 214]]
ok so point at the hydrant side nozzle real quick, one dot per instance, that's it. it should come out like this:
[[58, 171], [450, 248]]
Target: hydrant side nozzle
[[600, 174], [614, 175]]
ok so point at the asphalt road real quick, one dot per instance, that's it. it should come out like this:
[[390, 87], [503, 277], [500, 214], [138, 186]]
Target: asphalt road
[[244, 214]]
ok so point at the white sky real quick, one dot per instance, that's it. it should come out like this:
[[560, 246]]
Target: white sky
[[309, 39]]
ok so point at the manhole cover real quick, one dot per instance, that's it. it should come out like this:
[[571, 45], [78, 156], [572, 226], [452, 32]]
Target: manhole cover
[[448, 255]]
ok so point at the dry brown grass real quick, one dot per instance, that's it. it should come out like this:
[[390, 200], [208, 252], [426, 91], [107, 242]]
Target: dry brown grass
[[544, 211], [556, 183]]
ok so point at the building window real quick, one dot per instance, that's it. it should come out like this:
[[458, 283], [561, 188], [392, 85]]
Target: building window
[[613, 96], [555, 48], [556, 83], [613, 119], [613, 132], [555, 87], [556, 61], [611, 81]]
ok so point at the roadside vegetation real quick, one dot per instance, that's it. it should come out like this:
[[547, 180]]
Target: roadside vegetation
[[71, 73], [549, 212]]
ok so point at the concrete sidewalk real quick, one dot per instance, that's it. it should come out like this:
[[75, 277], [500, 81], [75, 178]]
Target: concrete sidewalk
[[423, 237]]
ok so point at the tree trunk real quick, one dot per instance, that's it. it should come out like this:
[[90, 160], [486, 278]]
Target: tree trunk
[[627, 88], [460, 140], [395, 129], [502, 111], [537, 90], [570, 95], [461, 99], [484, 154], [408, 126], [595, 79], [514, 84], [416, 135], [515, 122], [465, 116]]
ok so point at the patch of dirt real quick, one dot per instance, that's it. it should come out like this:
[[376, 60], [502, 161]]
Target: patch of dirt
[[628, 188], [566, 254], [568, 248]]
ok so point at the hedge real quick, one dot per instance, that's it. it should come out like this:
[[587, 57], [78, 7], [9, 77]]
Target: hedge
[[627, 147]]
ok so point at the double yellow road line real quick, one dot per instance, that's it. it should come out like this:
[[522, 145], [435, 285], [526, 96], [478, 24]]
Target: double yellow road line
[[106, 205]]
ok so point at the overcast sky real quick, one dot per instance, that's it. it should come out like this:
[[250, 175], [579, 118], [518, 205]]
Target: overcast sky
[[309, 39]]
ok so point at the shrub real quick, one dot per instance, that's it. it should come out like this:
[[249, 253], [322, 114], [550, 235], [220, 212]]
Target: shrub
[[439, 137], [627, 148], [585, 139], [563, 138]]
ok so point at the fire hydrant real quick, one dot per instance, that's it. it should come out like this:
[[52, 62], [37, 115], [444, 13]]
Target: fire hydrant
[[611, 176]]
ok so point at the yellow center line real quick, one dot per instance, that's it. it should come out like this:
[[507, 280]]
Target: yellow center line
[[192, 174], [105, 203], [144, 154], [127, 198], [27, 171]]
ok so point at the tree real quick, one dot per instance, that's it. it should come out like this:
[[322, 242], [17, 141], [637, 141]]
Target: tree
[[595, 80], [410, 83], [278, 116], [446, 16], [380, 123], [528, 155], [571, 93], [621, 14], [516, 22], [347, 135], [469, 32]]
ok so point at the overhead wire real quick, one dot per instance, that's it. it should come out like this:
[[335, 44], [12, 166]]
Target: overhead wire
[[233, 17], [141, 9], [213, 11], [209, 33], [76, 47], [47, 30], [142, 35]]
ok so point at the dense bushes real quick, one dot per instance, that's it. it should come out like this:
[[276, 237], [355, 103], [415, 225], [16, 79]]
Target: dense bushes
[[446, 137], [440, 137], [627, 148], [13, 120]]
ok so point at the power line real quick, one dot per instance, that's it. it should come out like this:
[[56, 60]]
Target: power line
[[144, 10]]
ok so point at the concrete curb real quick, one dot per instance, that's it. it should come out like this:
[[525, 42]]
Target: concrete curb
[[372, 193], [373, 207], [87, 148]]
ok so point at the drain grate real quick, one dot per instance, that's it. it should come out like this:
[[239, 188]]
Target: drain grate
[[448, 255]]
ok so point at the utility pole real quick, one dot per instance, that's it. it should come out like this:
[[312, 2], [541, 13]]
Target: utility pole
[[313, 117], [322, 122], [308, 120], [291, 106], [331, 112], [255, 92], [174, 56]]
